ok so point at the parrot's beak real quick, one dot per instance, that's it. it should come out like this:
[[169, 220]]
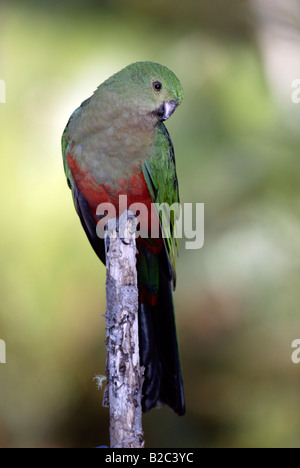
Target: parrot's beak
[[169, 109]]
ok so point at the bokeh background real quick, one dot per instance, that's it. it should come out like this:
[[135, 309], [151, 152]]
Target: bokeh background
[[237, 144]]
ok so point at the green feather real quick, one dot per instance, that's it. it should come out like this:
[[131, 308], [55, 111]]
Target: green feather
[[160, 174]]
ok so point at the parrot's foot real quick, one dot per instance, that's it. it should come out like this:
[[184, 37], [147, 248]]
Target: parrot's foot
[[119, 225]]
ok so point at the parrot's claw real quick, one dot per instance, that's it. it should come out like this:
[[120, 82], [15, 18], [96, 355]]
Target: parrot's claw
[[127, 215], [107, 238], [131, 215], [119, 225], [122, 239]]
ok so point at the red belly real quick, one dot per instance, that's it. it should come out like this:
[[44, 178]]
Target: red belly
[[135, 189]]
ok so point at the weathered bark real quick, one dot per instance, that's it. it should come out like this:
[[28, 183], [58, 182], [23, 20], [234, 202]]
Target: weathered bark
[[123, 392]]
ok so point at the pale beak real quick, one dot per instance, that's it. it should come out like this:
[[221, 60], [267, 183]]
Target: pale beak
[[169, 109]]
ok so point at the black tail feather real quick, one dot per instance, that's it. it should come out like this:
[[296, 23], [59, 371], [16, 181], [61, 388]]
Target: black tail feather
[[159, 351]]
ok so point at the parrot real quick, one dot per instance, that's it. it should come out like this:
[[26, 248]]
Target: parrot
[[116, 144]]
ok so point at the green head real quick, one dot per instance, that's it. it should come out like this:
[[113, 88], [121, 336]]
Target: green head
[[151, 89]]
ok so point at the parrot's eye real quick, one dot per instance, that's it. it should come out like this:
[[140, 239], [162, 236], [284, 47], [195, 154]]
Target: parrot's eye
[[157, 86]]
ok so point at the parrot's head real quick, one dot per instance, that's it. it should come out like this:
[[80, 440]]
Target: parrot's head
[[148, 89]]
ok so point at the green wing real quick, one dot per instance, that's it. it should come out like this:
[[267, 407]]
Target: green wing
[[160, 174]]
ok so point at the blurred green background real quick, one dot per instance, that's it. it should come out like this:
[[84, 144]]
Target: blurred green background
[[237, 144]]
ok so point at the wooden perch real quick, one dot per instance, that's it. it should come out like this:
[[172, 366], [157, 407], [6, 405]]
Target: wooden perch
[[123, 392]]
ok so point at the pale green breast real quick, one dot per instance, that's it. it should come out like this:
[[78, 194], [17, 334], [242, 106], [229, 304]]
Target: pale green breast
[[109, 139]]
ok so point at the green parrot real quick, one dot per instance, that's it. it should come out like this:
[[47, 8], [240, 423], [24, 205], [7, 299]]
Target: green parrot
[[116, 144]]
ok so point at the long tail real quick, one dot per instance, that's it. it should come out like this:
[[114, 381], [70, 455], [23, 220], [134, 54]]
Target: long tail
[[158, 341], [158, 345]]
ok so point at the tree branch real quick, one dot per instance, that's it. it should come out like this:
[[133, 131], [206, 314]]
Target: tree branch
[[123, 392]]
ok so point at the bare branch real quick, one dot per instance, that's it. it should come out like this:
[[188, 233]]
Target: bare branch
[[123, 393]]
